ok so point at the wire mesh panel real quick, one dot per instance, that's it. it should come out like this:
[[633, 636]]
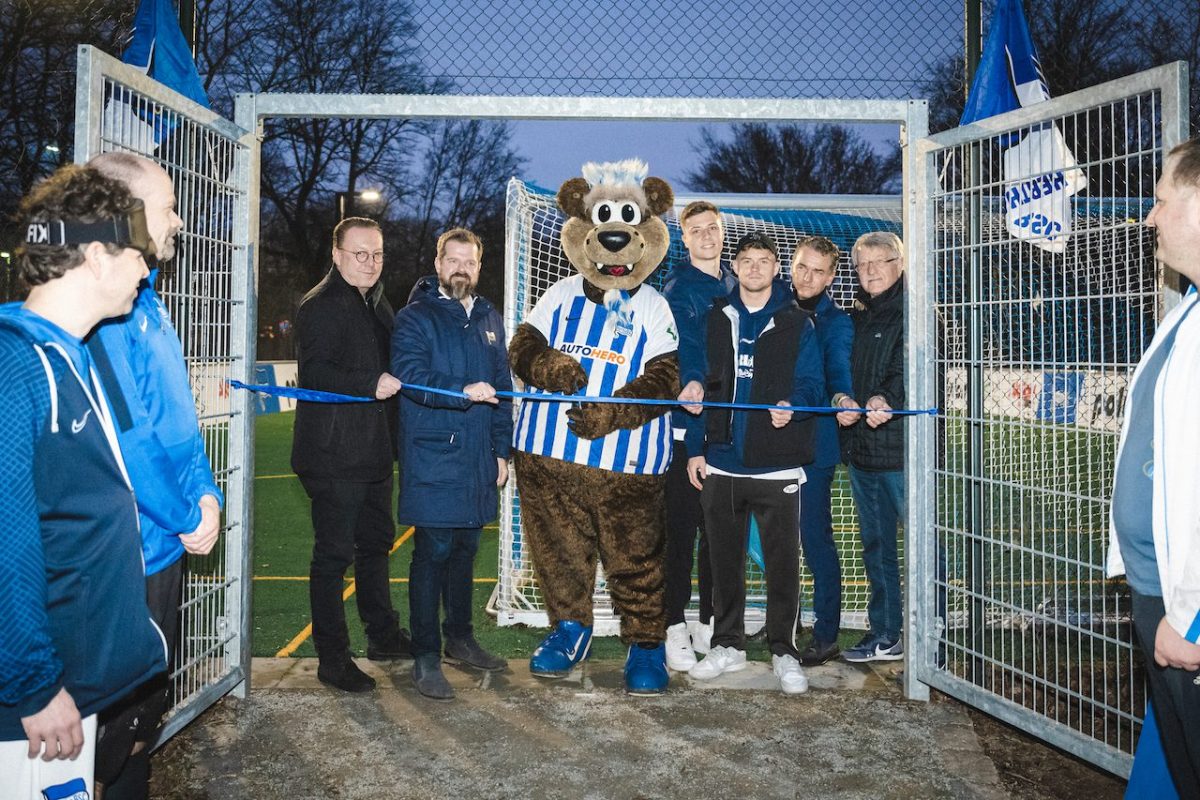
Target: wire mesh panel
[[534, 261], [119, 109], [1044, 291]]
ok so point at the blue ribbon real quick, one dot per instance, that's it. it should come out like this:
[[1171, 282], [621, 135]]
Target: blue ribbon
[[314, 396]]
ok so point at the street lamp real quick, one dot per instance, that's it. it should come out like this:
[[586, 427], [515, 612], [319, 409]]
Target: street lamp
[[348, 203]]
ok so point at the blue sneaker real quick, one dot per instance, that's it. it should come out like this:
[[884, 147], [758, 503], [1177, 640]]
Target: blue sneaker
[[646, 670], [874, 647], [565, 646]]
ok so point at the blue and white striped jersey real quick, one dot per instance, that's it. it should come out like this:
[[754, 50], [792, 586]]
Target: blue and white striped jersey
[[612, 356]]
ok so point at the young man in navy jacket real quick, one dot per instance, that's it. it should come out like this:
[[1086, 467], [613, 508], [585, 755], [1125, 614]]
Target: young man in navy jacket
[[814, 267], [691, 288], [453, 451], [77, 635], [760, 348]]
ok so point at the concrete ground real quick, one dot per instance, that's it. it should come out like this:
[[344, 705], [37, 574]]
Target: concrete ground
[[510, 735]]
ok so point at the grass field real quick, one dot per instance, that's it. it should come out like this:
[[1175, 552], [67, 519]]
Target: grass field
[[283, 547]]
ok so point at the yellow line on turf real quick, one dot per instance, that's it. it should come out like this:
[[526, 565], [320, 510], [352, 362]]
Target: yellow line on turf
[[303, 635]]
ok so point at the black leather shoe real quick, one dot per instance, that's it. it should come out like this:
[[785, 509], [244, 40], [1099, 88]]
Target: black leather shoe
[[468, 651], [429, 680], [818, 653], [392, 649], [344, 675]]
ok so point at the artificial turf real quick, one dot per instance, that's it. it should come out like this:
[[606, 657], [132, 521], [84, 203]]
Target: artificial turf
[[283, 546]]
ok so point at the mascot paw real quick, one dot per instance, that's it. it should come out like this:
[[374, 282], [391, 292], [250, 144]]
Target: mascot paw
[[592, 420], [560, 373]]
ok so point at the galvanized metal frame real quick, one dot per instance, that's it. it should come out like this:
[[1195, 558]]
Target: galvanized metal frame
[[911, 115], [1171, 82], [227, 636]]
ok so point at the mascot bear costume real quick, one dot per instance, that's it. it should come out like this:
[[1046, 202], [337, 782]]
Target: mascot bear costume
[[591, 476]]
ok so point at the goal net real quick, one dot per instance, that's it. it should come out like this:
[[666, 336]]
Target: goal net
[[534, 261]]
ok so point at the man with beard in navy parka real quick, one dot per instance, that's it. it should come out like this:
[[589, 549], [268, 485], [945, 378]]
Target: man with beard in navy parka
[[453, 451]]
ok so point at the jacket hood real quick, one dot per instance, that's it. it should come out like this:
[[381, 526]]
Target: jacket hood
[[39, 328], [781, 296], [426, 290], [684, 272]]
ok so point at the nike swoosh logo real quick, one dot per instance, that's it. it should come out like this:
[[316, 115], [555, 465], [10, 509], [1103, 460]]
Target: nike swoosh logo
[[571, 653], [79, 424], [144, 324]]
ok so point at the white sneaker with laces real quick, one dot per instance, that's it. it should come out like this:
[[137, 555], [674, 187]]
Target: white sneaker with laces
[[701, 634], [791, 675], [719, 661], [679, 648]]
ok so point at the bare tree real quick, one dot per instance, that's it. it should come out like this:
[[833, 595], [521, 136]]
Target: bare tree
[[38, 41], [801, 159], [465, 170]]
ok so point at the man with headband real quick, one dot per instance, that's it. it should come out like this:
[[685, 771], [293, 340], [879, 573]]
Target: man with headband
[[77, 634]]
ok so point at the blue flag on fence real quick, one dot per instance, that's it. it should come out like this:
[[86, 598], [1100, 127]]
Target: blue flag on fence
[[1040, 172], [159, 49], [1009, 74]]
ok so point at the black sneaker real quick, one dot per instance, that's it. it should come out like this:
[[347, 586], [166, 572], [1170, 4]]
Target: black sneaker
[[468, 651], [398, 647], [429, 680], [818, 653], [345, 675]]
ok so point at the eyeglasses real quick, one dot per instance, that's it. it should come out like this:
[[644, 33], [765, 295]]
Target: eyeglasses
[[866, 266], [362, 255]]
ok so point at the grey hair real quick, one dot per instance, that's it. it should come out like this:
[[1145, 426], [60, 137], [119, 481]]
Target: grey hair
[[882, 239]]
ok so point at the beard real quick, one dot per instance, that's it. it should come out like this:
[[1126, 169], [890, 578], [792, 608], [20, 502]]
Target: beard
[[460, 286]]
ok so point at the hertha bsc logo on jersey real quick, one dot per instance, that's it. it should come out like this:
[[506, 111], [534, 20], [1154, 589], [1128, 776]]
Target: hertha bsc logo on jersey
[[612, 356]]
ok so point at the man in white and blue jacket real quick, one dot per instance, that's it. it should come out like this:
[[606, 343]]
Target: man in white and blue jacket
[[140, 359], [1155, 526], [453, 451], [77, 635], [760, 348]]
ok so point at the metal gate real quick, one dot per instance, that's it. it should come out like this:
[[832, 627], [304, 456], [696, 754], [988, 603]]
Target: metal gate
[[208, 289], [1025, 347]]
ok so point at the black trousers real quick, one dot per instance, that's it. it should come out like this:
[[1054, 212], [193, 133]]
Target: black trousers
[[136, 717], [352, 524], [728, 503], [1176, 698], [685, 520]]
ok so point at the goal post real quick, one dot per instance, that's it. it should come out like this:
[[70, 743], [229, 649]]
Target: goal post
[[534, 261]]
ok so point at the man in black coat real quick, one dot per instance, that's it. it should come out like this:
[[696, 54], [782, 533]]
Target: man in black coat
[[344, 453], [873, 443]]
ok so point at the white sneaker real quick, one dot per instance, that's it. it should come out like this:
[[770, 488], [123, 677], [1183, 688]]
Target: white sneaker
[[701, 634], [718, 661], [679, 648], [791, 675]]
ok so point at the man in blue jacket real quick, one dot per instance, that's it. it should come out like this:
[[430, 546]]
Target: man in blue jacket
[[140, 359], [454, 451], [760, 348], [814, 267], [691, 288], [77, 635]]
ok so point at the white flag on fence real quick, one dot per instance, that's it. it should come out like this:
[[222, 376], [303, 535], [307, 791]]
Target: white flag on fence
[[1040, 177]]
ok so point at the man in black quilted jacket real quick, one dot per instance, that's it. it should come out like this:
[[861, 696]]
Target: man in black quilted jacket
[[873, 443]]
